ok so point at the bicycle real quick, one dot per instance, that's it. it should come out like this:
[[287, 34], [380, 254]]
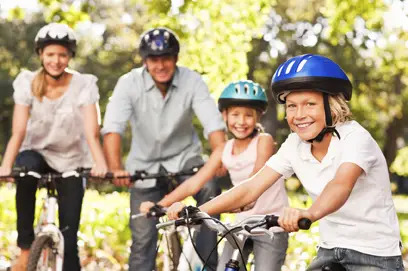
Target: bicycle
[[173, 247], [236, 234], [47, 249]]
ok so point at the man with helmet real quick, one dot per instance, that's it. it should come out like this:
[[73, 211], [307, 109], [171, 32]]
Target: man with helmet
[[339, 164], [159, 100], [50, 105]]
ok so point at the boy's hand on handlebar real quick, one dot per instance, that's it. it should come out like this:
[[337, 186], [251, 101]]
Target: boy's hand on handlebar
[[121, 181], [174, 210], [290, 218], [146, 206]]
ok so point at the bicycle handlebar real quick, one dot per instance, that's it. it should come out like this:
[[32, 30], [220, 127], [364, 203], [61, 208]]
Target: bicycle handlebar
[[23, 172], [254, 222], [141, 175]]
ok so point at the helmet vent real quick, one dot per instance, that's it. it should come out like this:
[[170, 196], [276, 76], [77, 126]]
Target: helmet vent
[[255, 91], [302, 63], [290, 66], [246, 89], [237, 90], [280, 70]]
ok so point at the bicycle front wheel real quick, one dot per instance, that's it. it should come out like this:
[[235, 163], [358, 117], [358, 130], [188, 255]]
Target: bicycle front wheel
[[42, 255]]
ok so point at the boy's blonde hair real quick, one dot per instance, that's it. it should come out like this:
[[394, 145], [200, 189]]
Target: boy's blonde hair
[[339, 108]]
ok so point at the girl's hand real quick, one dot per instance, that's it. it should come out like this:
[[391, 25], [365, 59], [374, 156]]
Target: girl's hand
[[146, 206], [290, 218], [6, 171], [99, 170], [174, 209]]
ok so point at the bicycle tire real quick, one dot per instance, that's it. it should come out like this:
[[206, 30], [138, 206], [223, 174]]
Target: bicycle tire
[[40, 244], [175, 248]]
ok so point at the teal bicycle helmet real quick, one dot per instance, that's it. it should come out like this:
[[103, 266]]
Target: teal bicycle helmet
[[314, 72], [243, 93]]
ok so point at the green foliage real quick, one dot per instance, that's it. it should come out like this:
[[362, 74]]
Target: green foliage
[[400, 164]]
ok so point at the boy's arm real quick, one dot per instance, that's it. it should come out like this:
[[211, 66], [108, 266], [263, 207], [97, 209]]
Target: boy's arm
[[242, 194], [193, 184]]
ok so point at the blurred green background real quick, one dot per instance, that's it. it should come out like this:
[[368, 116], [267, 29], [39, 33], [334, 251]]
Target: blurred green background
[[223, 40]]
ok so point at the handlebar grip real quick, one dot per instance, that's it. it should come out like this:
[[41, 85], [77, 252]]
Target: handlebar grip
[[109, 175], [304, 223]]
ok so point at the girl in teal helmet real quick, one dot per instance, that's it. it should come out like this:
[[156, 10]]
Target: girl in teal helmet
[[242, 103]]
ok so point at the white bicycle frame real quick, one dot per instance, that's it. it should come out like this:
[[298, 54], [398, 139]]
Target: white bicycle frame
[[47, 226]]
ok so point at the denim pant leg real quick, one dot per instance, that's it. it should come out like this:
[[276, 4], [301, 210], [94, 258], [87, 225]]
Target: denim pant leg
[[270, 253], [70, 196], [354, 260], [144, 233], [227, 252], [25, 195]]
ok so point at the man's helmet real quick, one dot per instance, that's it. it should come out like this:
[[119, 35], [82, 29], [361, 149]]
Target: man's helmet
[[157, 42], [310, 72], [55, 33], [243, 93]]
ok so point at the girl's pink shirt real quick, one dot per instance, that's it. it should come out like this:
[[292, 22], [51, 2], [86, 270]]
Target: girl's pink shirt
[[240, 166]]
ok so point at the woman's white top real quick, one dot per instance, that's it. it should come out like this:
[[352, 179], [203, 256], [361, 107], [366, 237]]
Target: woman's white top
[[367, 222], [55, 127]]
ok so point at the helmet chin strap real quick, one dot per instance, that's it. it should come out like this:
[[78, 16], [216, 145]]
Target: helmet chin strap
[[329, 122]]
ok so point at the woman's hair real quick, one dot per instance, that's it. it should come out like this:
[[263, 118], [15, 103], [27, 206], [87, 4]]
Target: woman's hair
[[339, 109], [39, 84]]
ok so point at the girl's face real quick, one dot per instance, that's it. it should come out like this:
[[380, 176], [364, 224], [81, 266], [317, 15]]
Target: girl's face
[[241, 120], [55, 58], [305, 113]]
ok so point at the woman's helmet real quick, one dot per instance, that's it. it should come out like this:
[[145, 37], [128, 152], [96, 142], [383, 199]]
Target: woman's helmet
[[243, 93], [157, 42], [314, 72], [310, 72], [55, 33]]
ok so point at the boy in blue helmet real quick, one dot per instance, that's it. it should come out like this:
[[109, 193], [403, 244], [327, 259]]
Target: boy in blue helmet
[[242, 103], [339, 164]]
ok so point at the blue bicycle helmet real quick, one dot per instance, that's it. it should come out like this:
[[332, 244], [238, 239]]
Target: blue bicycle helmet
[[243, 93], [157, 42], [310, 72]]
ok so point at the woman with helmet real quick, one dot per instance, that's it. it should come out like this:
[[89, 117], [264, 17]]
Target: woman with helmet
[[339, 164], [242, 104], [55, 129]]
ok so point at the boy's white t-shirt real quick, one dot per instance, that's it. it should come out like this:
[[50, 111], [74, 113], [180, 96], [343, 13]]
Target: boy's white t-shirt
[[367, 222]]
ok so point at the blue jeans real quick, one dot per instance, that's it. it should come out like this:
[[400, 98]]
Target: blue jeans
[[70, 194], [269, 253], [144, 234], [353, 260]]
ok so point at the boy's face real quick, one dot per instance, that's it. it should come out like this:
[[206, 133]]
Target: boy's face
[[305, 113], [241, 120]]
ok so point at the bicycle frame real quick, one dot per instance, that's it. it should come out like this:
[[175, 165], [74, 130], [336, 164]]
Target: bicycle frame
[[46, 225]]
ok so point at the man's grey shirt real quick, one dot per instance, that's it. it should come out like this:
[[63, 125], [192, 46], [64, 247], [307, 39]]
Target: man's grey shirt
[[162, 129]]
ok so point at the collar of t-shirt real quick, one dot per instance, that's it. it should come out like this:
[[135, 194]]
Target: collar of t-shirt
[[305, 148]]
